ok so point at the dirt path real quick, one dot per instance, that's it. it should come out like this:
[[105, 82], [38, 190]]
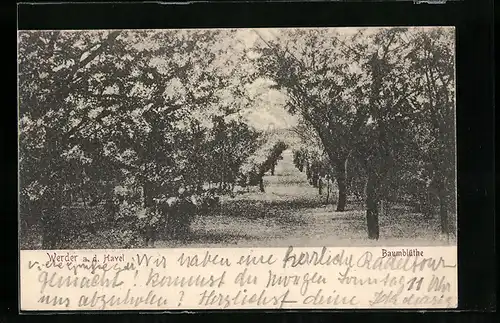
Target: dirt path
[[291, 212]]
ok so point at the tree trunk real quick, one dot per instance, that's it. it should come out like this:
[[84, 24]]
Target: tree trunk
[[443, 211], [327, 189], [49, 240], [199, 185], [261, 182], [341, 176], [51, 223], [82, 194], [372, 204], [342, 200], [314, 180], [426, 205], [320, 186], [149, 193], [50, 233], [272, 169]]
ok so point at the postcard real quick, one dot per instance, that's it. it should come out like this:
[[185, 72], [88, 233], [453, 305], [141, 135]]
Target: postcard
[[247, 168]]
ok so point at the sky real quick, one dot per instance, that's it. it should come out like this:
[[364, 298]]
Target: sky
[[270, 111]]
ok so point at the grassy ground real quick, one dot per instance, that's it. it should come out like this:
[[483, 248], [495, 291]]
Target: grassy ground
[[290, 212]]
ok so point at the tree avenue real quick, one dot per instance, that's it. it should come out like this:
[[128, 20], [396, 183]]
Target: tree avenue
[[142, 131], [380, 101]]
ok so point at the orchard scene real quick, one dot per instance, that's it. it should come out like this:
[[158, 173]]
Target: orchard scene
[[236, 137]]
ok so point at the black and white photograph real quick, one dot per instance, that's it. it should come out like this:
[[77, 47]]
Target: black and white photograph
[[246, 137]]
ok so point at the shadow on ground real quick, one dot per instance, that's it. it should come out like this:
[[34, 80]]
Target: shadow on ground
[[278, 211], [289, 212]]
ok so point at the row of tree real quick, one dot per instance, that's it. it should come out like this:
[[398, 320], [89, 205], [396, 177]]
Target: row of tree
[[150, 114], [158, 113], [382, 101], [262, 161], [317, 170]]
